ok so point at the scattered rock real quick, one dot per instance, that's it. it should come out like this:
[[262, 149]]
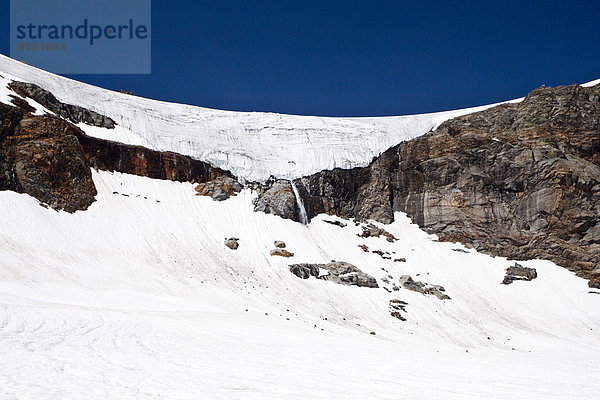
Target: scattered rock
[[460, 250], [407, 282], [338, 272], [279, 244], [232, 243], [281, 253], [370, 230], [220, 188], [519, 273], [338, 223], [397, 307], [402, 259], [364, 247]]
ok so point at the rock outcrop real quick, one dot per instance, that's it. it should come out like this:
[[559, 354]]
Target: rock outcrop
[[277, 197], [49, 158], [42, 157], [75, 114], [337, 272], [518, 180], [220, 188], [370, 230], [136, 160], [519, 273], [438, 291]]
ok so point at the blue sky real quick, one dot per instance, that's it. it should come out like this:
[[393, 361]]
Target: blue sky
[[347, 58]]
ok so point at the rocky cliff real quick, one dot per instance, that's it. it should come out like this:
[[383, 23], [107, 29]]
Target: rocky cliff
[[517, 180], [49, 158]]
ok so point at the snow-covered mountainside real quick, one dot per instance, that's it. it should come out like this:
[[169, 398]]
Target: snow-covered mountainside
[[138, 297], [252, 145], [148, 291]]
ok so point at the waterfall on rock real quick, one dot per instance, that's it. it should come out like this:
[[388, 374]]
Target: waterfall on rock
[[300, 204]]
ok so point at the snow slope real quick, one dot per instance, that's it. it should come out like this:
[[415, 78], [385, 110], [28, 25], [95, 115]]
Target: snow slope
[[253, 145], [138, 298]]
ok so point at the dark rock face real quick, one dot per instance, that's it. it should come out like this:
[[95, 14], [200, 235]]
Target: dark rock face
[[220, 188], [42, 157], [73, 113], [517, 180], [49, 158], [136, 160], [519, 273], [339, 272], [277, 197]]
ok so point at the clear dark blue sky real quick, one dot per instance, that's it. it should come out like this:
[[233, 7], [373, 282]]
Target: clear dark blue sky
[[358, 58]]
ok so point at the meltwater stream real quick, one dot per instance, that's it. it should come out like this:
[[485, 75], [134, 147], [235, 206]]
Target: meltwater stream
[[300, 204]]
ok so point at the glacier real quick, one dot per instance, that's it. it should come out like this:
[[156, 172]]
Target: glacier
[[252, 145]]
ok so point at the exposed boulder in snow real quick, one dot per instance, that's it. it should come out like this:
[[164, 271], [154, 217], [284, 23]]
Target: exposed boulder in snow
[[279, 244], [461, 251], [220, 188], [73, 113], [232, 243], [370, 230], [337, 223], [519, 273], [383, 254], [337, 272], [305, 271], [407, 282], [41, 156], [281, 253]]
